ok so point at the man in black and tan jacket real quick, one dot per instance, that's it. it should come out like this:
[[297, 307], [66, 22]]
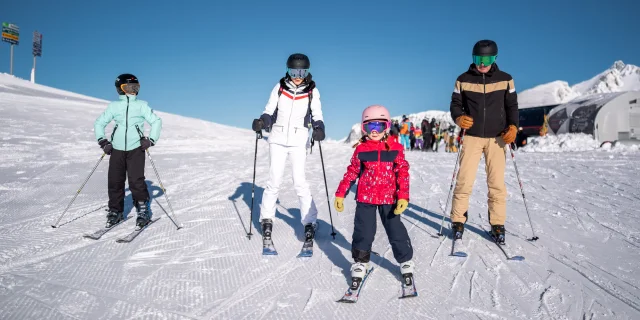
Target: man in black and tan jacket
[[485, 104]]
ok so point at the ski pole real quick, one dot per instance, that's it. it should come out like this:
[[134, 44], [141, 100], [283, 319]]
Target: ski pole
[[253, 186], [513, 157], [453, 180], [160, 182], [78, 192], [164, 191], [333, 233]]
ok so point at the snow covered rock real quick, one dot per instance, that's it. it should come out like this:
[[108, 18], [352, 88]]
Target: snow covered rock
[[619, 77]]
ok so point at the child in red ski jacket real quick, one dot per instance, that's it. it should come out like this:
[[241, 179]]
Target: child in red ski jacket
[[383, 173]]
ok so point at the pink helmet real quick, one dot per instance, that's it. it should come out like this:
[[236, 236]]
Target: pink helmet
[[376, 112]]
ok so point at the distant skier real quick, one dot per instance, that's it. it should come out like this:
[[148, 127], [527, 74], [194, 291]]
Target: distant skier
[[127, 149], [426, 134], [383, 185], [484, 103], [405, 130], [294, 107], [417, 133]]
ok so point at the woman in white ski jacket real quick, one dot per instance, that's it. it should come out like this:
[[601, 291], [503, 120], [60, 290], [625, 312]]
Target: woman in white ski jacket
[[293, 108]]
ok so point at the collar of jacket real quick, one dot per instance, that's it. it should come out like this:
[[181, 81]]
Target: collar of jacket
[[132, 97], [474, 71], [302, 88]]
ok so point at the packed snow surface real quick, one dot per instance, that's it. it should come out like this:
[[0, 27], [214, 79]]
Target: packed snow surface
[[583, 206], [573, 142]]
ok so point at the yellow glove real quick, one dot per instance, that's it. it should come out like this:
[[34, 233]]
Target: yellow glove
[[509, 135], [401, 206], [338, 204], [464, 121]]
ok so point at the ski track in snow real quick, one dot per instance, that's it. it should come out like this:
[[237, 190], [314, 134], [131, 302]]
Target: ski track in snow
[[583, 205]]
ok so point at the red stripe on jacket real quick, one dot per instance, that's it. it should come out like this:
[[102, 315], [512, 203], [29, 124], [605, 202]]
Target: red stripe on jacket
[[288, 95]]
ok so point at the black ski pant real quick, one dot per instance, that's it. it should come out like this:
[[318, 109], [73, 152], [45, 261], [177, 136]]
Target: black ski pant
[[364, 231], [427, 142], [121, 164]]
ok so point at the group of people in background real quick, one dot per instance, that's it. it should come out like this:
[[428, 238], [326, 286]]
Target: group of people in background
[[427, 136]]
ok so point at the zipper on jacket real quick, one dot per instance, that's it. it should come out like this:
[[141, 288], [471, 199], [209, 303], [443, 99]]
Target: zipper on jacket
[[114, 132], [484, 107], [378, 173], [126, 128], [293, 100]]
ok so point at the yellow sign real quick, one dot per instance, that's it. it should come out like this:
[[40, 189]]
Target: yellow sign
[[10, 36]]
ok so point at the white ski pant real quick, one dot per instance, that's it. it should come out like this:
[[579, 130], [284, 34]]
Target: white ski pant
[[278, 155]]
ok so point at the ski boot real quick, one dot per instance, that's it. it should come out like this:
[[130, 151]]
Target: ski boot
[[113, 218], [498, 232], [267, 227], [408, 286], [358, 271], [407, 269], [267, 243], [310, 231], [458, 227], [144, 213], [458, 230]]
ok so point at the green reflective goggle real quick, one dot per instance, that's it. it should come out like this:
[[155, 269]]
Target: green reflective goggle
[[485, 60]]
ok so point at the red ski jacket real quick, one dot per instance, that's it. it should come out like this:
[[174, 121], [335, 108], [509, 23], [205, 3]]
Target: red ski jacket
[[382, 171]]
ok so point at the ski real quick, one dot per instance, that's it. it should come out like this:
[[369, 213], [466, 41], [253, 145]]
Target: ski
[[351, 296], [409, 290], [501, 247], [101, 232], [135, 233], [268, 249], [307, 249]]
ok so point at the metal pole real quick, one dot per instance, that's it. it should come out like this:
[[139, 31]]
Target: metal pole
[[165, 193], [333, 233], [253, 185], [78, 192], [33, 71], [11, 67], [453, 181], [513, 157]]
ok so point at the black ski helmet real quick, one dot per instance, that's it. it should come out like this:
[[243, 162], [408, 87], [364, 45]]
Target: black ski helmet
[[298, 61], [125, 78], [485, 48]]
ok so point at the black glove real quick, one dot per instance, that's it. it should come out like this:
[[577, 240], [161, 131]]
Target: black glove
[[106, 146], [318, 131], [146, 143], [257, 125], [264, 123]]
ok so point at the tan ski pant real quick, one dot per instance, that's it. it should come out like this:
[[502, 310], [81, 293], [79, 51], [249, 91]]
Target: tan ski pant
[[495, 158]]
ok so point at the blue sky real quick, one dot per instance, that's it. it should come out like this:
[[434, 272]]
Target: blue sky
[[219, 60]]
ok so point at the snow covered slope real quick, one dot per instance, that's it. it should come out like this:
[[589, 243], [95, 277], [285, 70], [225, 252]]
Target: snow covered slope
[[440, 116], [584, 208], [619, 77]]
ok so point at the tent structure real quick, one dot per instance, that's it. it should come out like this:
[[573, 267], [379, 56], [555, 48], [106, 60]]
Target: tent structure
[[608, 116]]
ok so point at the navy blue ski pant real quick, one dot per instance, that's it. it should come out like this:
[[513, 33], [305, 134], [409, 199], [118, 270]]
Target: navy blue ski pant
[[364, 231]]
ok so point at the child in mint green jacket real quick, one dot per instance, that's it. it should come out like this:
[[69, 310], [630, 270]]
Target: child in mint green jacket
[[127, 149]]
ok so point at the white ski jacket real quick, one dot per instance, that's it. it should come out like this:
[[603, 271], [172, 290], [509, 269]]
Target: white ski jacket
[[291, 126]]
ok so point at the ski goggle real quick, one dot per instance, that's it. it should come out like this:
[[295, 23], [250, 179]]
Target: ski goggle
[[130, 88], [297, 73], [375, 125], [486, 60]]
